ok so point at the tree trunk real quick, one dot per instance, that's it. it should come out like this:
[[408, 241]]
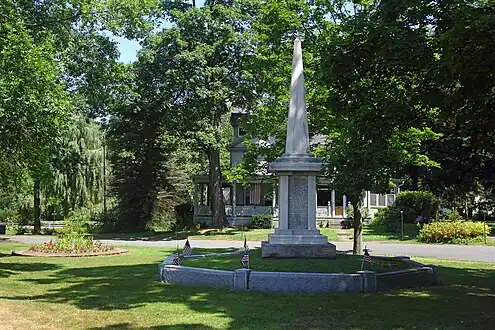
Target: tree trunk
[[415, 179], [37, 209], [218, 216], [104, 180], [358, 225]]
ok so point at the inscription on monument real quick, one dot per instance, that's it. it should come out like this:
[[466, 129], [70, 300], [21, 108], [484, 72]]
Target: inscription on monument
[[298, 202]]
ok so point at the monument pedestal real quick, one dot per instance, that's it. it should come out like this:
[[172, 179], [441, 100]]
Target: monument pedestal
[[306, 251]]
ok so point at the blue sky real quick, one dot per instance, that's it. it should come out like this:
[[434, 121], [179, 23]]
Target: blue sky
[[129, 48]]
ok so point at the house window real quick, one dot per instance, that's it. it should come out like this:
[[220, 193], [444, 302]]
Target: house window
[[323, 197], [204, 198], [254, 194], [226, 195], [373, 200], [381, 200]]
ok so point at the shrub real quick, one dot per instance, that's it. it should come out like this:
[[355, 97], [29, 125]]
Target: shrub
[[413, 204], [452, 232], [416, 203], [165, 222], [347, 223], [387, 218], [381, 216], [451, 215], [76, 223], [262, 221]]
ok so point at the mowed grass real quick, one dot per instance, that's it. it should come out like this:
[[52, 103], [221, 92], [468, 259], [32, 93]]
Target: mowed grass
[[376, 233], [411, 231], [123, 292], [341, 264], [227, 234]]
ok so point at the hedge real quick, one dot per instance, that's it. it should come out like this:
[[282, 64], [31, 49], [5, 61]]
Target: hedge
[[413, 204], [452, 231], [262, 221]]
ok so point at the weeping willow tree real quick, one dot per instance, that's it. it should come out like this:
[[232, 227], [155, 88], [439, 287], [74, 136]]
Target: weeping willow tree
[[77, 176]]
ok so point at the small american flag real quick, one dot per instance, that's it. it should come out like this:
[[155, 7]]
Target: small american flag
[[245, 259], [246, 247], [366, 256], [187, 249], [176, 261]]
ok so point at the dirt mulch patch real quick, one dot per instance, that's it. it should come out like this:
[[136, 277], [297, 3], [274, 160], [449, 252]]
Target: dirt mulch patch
[[28, 253]]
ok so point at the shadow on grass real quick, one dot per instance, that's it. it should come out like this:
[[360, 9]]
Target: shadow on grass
[[464, 300], [125, 326], [9, 269]]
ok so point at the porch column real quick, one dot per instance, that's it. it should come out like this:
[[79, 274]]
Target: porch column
[[368, 201], [332, 200], [234, 198], [274, 201], [344, 203]]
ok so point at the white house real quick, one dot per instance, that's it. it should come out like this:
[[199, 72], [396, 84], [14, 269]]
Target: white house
[[260, 197]]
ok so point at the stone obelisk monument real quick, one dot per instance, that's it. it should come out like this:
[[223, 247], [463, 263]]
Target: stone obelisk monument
[[297, 235]]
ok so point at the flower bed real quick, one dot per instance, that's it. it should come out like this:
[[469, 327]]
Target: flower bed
[[74, 245], [86, 247]]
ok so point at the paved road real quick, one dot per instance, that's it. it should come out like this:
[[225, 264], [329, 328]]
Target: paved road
[[453, 252]]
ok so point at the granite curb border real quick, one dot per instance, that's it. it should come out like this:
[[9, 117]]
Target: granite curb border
[[418, 275]]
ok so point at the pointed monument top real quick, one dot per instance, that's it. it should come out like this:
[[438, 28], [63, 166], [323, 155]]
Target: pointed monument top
[[297, 157], [297, 141]]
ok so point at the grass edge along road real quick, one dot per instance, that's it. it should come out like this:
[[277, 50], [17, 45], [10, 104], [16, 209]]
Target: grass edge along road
[[122, 292], [226, 234]]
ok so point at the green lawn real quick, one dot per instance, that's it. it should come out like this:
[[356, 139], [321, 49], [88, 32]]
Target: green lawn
[[122, 292], [342, 264], [228, 234], [375, 233]]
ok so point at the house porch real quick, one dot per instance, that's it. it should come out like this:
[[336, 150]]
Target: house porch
[[260, 197]]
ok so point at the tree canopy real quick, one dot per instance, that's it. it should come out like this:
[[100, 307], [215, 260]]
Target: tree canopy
[[395, 89]]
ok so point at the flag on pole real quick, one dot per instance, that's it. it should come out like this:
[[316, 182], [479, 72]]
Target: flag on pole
[[366, 256], [246, 247], [176, 261], [187, 248], [245, 259]]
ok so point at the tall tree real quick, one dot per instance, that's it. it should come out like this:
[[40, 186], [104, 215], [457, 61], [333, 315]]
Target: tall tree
[[148, 177], [464, 76], [76, 178], [198, 66], [378, 114], [56, 58], [365, 91], [275, 26]]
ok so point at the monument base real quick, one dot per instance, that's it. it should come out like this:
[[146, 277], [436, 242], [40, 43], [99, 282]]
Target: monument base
[[297, 236], [306, 251]]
